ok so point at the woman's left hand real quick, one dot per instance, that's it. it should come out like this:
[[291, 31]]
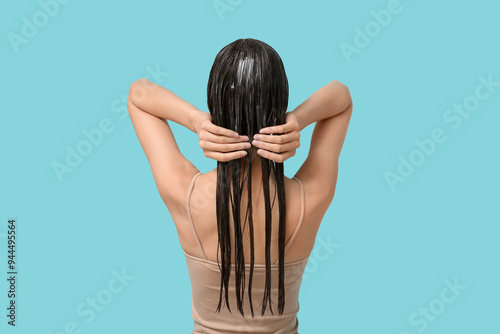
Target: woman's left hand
[[219, 143]]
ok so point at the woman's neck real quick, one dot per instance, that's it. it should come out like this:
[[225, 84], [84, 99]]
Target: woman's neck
[[256, 170]]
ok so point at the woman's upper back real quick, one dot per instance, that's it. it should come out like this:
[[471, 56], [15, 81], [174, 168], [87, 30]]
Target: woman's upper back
[[199, 236]]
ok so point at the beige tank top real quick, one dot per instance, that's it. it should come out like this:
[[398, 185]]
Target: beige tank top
[[205, 287]]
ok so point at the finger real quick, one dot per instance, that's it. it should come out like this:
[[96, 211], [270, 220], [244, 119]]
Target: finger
[[224, 148], [274, 156], [208, 136], [281, 139], [278, 148], [283, 128], [219, 130], [224, 157]]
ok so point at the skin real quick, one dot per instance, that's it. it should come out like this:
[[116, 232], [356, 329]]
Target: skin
[[151, 107]]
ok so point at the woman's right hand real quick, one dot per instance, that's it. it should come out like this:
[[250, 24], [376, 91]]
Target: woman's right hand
[[219, 143], [278, 143]]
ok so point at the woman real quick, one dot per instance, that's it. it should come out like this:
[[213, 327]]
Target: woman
[[246, 229]]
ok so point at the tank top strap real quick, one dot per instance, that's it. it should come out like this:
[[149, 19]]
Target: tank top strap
[[301, 217], [188, 208]]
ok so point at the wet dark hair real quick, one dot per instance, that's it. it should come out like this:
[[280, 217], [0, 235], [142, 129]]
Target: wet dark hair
[[248, 90]]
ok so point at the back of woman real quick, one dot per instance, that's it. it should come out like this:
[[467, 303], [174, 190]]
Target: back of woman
[[246, 229], [203, 213], [202, 261]]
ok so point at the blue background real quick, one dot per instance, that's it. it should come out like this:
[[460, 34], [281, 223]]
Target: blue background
[[395, 247]]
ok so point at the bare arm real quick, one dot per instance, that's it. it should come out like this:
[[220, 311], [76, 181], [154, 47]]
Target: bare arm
[[164, 104], [326, 102], [331, 108]]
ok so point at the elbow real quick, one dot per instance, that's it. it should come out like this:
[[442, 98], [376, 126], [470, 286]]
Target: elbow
[[349, 106], [345, 94], [338, 85], [348, 98], [342, 95], [137, 91]]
